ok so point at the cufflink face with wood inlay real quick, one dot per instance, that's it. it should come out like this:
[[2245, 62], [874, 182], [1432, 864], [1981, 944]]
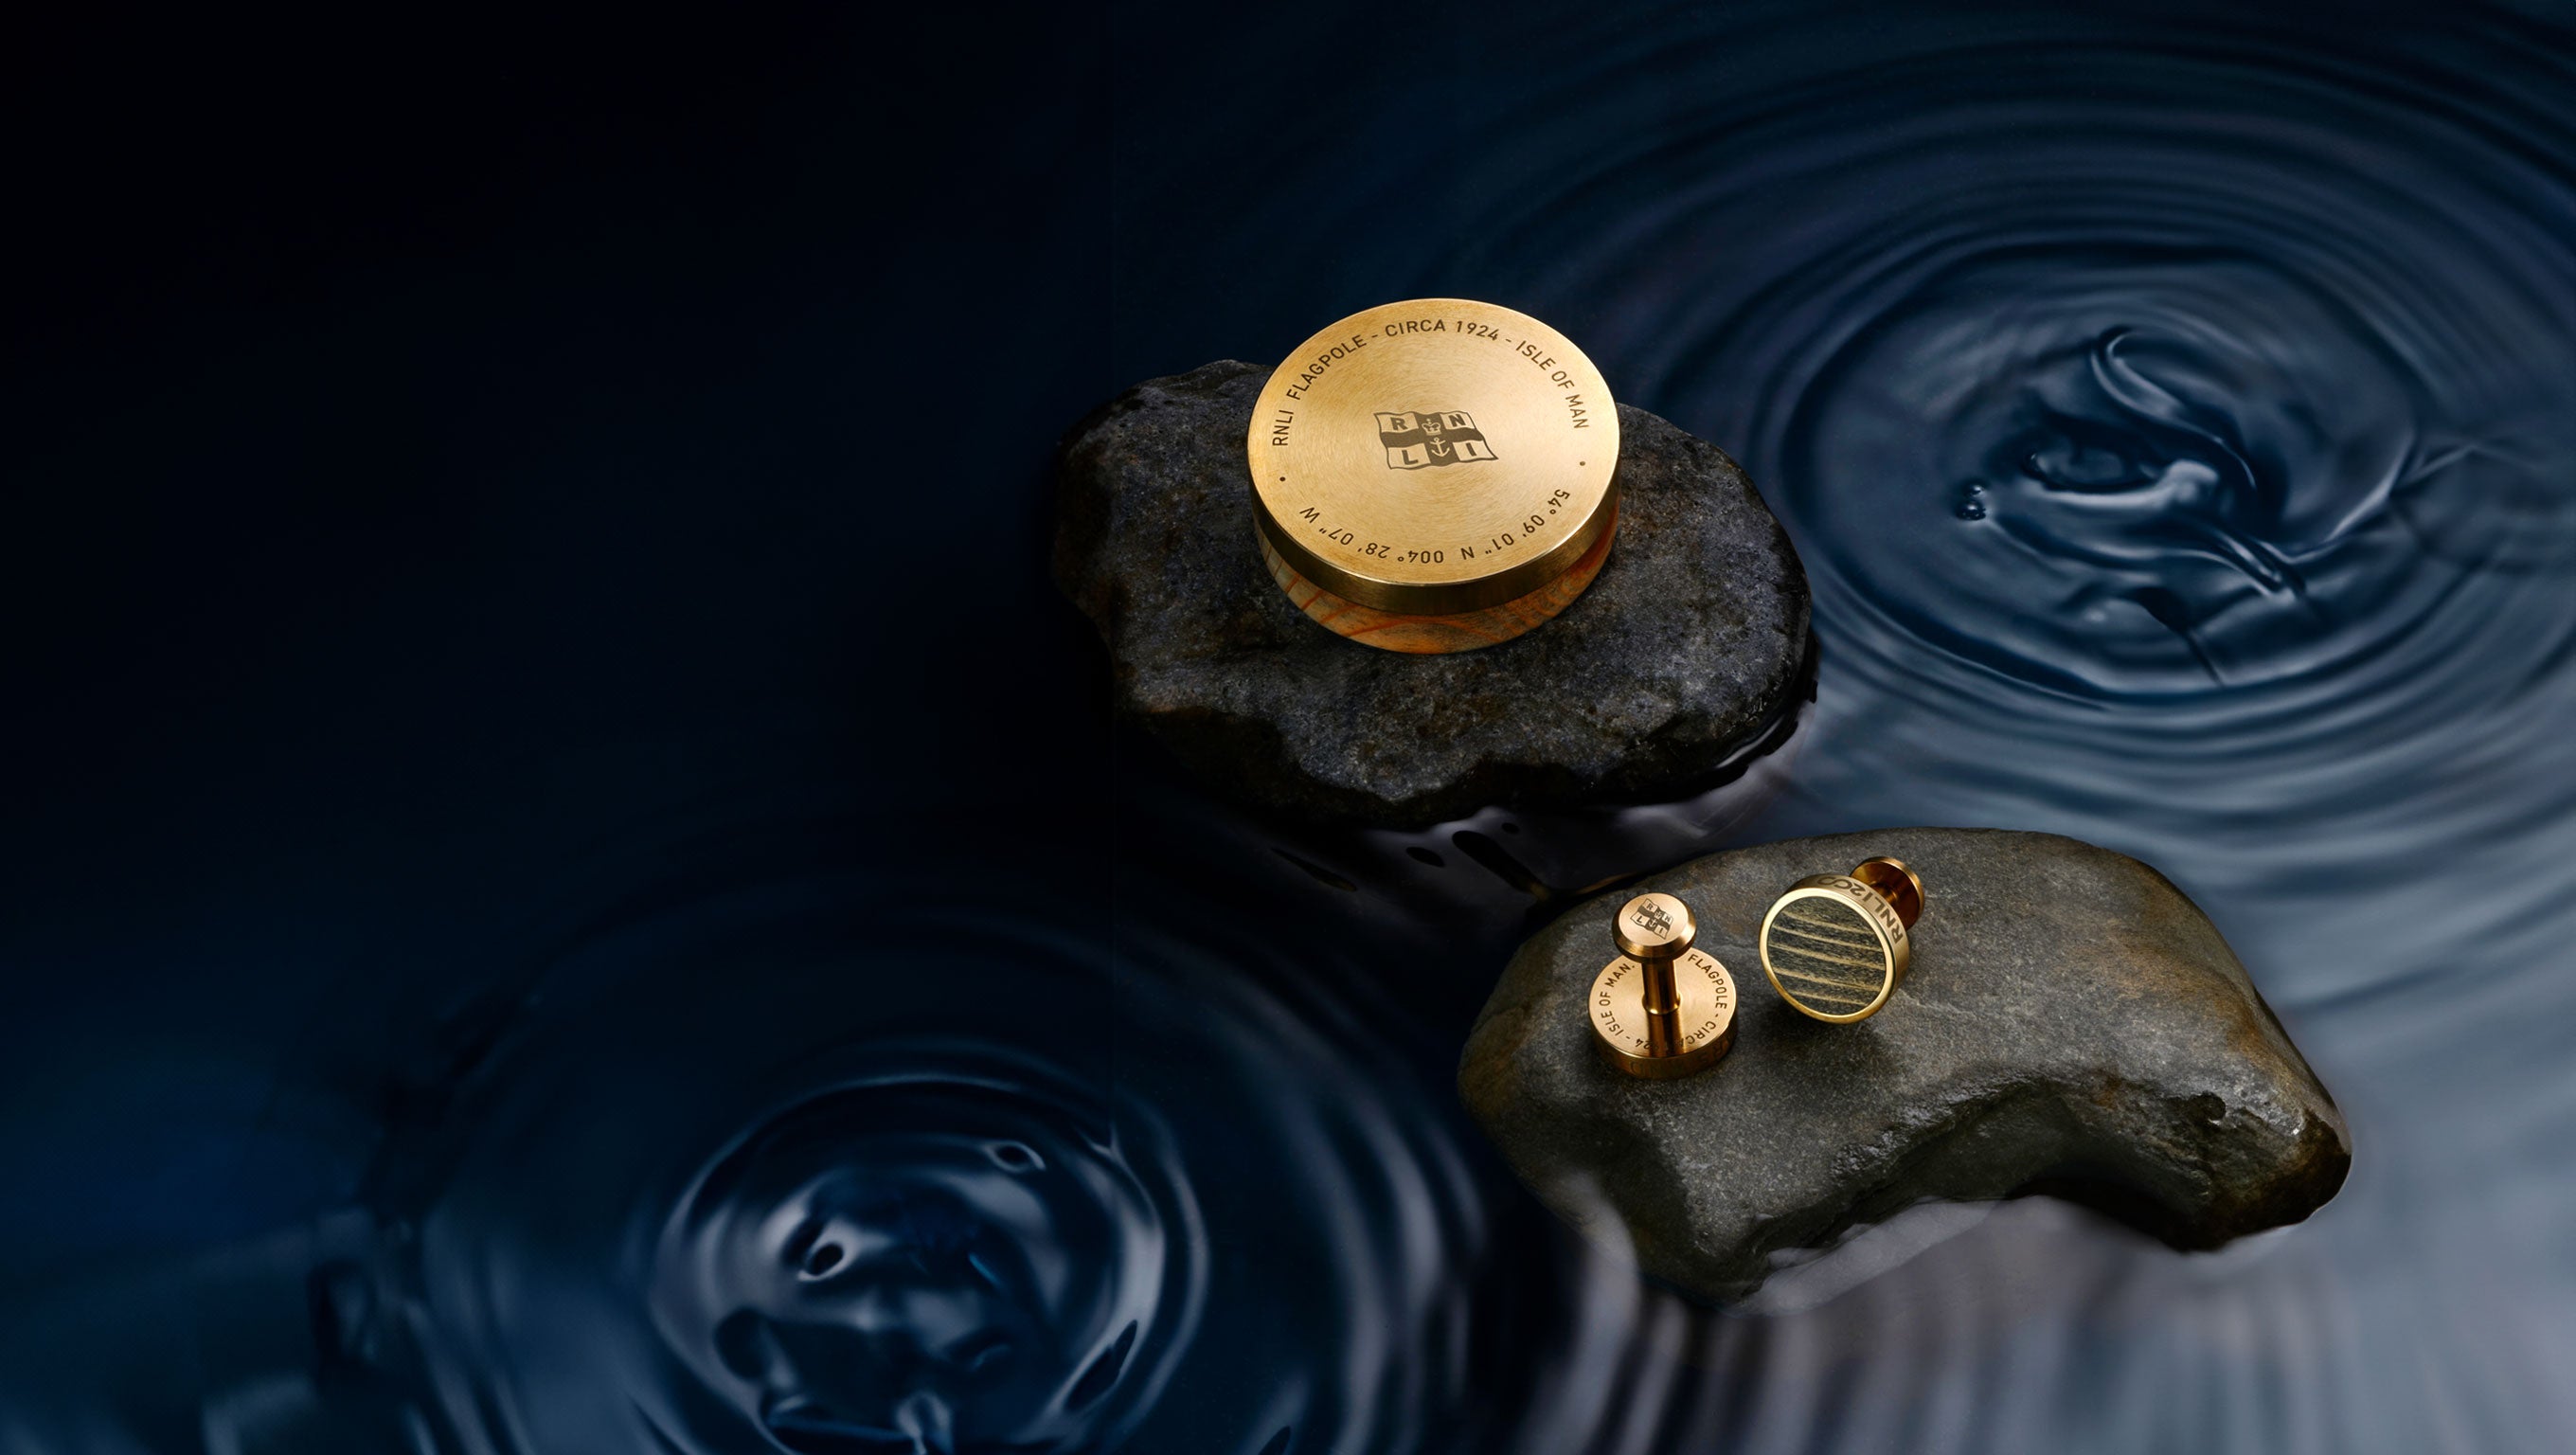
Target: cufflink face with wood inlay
[[1662, 1008], [1836, 945]]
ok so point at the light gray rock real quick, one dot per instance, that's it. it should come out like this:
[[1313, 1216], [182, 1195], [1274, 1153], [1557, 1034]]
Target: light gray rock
[[1690, 644], [2072, 1025]]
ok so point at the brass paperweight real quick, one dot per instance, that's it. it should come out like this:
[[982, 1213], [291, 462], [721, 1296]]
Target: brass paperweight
[[1662, 1008], [1836, 946], [1435, 475]]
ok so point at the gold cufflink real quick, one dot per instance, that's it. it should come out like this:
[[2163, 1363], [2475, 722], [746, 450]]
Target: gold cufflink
[[1662, 1008], [1835, 945]]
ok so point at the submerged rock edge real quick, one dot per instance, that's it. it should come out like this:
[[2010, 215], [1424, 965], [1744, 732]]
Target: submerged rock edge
[[2177, 1104]]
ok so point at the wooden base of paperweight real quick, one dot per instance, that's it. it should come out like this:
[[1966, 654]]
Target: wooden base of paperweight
[[1464, 632]]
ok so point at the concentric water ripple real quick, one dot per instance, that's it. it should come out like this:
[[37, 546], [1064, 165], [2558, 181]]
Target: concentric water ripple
[[971, 1188], [944, 1259], [2177, 432], [2176, 412]]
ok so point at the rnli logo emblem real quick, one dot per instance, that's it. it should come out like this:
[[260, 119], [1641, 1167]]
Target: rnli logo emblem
[[1651, 918], [1418, 438]]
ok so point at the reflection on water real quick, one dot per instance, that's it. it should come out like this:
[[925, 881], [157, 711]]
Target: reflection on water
[[2176, 422]]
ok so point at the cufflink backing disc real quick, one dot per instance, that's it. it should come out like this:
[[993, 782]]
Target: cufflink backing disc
[[1663, 1008]]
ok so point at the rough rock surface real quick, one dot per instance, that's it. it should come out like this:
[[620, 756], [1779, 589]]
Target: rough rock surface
[[1688, 646], [2072, 1024]]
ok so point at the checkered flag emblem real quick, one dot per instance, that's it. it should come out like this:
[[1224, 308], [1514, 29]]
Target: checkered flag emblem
[[1418, 438]]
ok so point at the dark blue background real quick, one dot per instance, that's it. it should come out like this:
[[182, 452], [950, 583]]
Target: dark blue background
[[444, 461]]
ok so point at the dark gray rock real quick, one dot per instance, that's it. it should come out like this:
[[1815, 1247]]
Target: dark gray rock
[[1689, 645], [2072, 1025]]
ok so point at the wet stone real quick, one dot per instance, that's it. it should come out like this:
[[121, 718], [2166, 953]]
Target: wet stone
[[1689, 646], [2072, 1025]]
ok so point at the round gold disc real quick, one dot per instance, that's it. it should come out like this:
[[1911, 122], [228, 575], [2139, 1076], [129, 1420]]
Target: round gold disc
[[1707, 1017], [1834, 948], [1434, 457]]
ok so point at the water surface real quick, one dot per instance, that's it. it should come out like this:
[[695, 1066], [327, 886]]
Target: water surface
[[2176, 412]]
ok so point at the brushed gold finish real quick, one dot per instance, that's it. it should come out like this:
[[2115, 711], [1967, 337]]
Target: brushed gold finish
[[1836, 946], [1434, 457], [1663, 1008]]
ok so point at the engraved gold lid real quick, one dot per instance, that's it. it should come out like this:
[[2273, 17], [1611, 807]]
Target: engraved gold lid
[[1436, 456]]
